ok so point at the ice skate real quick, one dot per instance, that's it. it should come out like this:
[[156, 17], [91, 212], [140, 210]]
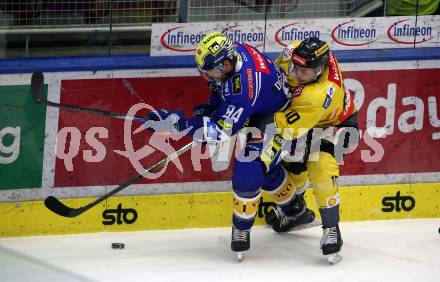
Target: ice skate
[[331, 244], [285, 223], [300, 218], [240, 242]]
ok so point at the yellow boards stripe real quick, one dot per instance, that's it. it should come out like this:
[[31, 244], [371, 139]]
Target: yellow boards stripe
[[133, 213]]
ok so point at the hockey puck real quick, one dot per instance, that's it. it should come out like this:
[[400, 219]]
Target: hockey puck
[[118, 245]]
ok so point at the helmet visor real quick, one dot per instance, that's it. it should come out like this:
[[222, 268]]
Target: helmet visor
[[214, 74]]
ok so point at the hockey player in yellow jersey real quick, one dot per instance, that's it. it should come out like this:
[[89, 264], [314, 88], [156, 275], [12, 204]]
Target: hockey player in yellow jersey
[[320, 109]]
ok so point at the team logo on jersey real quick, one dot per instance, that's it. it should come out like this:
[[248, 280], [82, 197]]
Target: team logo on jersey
[[236, 85], [328, 97], [297, 91]]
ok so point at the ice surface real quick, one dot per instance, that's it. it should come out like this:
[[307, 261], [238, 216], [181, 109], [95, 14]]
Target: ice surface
[[398, 250]]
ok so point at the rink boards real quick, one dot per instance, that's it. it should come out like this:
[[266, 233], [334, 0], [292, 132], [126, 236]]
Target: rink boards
[[394, 173], [198, 210]]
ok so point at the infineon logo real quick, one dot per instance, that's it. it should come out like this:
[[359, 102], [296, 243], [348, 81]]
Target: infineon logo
[[181, 39], [290, 32], [255, 39], [403, 32], [349, 34]]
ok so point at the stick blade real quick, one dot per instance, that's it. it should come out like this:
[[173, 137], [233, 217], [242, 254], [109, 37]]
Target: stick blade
[[37, 82], [58, 207]]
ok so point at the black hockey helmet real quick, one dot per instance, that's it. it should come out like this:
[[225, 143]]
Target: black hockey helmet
[[311, 53]]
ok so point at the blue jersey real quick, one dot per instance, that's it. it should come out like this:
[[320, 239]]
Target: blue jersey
[[257, 88]]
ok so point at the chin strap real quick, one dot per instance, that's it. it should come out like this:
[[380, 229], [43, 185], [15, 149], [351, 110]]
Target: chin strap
[[318, 72]]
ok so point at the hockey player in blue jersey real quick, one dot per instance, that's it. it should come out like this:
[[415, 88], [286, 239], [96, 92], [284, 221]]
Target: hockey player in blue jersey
[[246, 87]]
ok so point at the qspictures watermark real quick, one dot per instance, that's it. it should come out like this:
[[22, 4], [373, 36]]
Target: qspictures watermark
[[163, 134]]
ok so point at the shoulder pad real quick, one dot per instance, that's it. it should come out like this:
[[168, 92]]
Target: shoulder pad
[[288, 50]]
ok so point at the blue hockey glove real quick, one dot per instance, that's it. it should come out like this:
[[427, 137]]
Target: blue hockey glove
[[215, 86], [202, 110], [164, 120]]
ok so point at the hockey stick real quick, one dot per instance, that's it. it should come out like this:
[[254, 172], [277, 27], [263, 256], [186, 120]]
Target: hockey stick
[[37, 82], [59, 208]]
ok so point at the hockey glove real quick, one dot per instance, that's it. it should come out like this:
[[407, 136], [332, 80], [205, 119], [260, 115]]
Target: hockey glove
[[215, 86], [164, 120], [271, 153], [202, 110]]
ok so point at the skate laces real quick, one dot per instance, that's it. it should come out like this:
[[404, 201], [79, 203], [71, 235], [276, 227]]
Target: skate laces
[[330, 236], [239, 235]]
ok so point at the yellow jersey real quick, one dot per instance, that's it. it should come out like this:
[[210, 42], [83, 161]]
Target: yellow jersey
[[320, 104]]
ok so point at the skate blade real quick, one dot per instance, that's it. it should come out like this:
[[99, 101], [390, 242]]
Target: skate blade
[[240, 256], [334, 258], [314, 223]]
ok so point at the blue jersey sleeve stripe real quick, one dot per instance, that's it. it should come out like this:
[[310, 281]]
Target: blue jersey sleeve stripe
[[257, 86]]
